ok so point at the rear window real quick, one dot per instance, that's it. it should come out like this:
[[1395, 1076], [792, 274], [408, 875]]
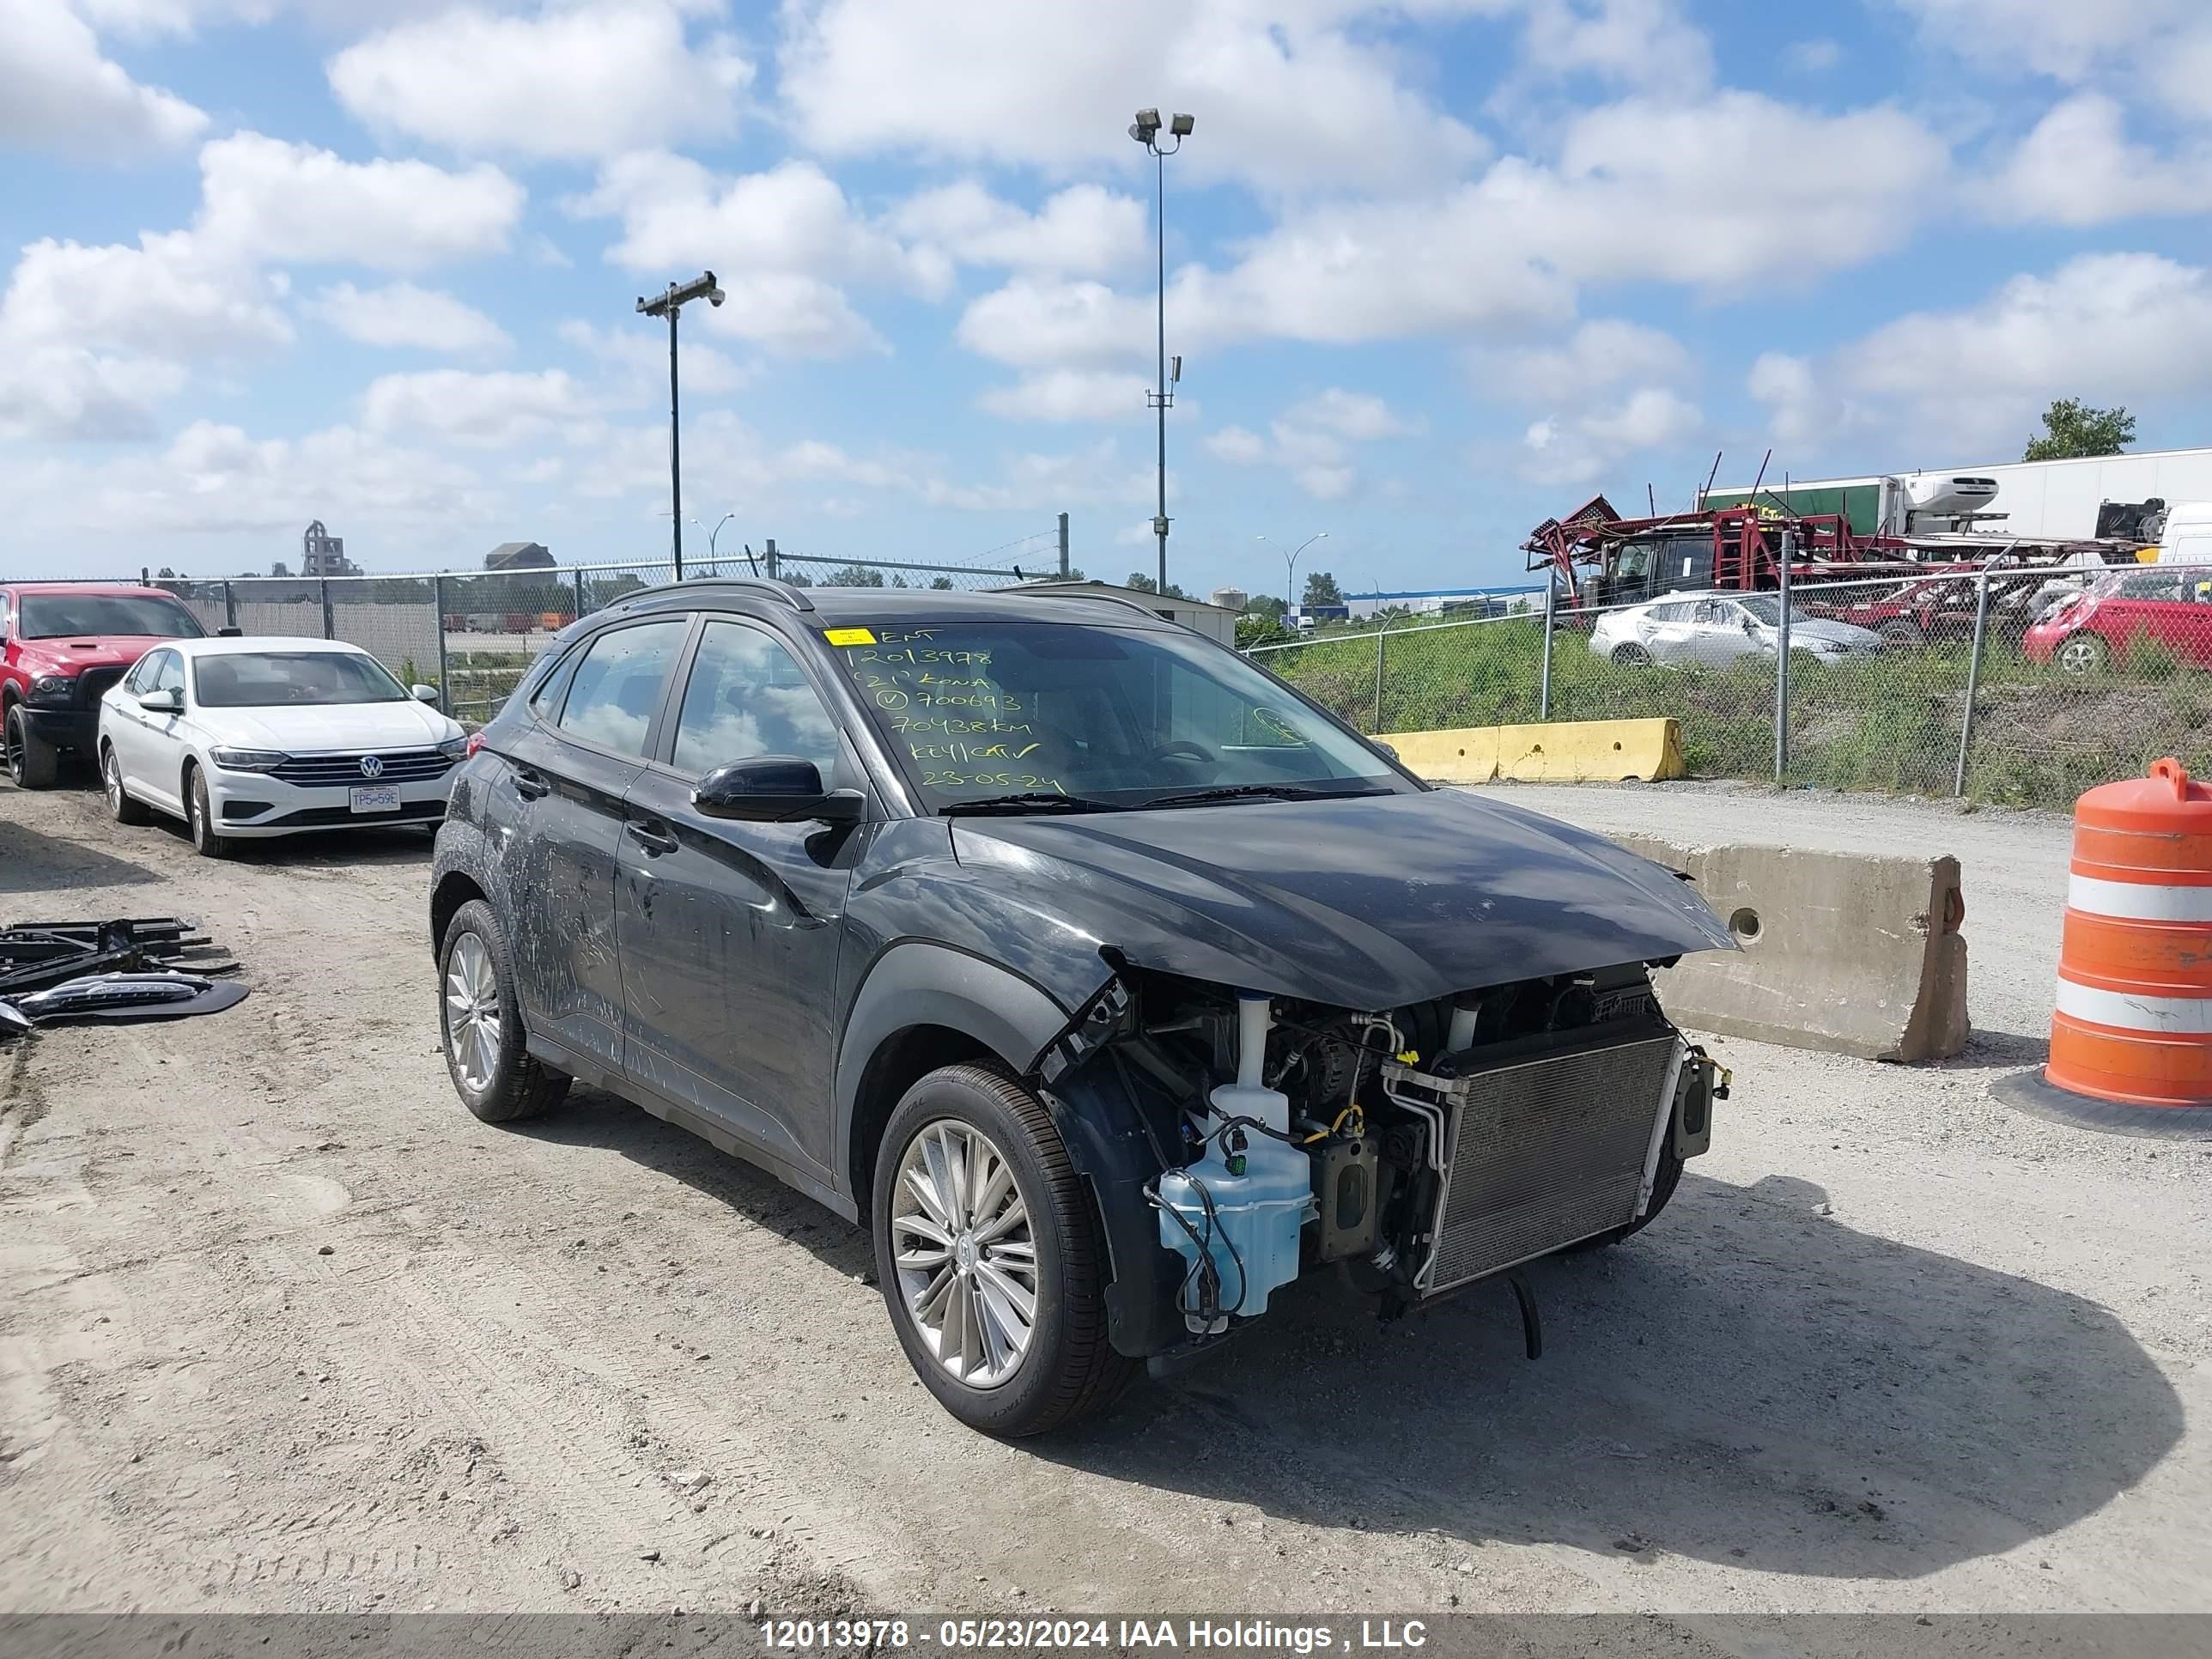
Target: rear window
[[269, 679], [67, 616]]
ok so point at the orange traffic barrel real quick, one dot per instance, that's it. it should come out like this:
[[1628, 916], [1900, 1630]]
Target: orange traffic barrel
[[2132, 1028]]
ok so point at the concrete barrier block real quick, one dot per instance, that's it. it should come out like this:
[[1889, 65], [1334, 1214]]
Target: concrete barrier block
[[1845, 953], [1557, 751]]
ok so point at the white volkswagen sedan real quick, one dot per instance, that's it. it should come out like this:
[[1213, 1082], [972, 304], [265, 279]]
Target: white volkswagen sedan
[[244, 738]]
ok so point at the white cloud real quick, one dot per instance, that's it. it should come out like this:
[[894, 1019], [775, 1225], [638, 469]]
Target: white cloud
[[494, 410], [1813, 57], [1311, 439], [2110, 327], [285, 203], [163, 297], [2076, 167], [793, 315], [1083, 228], [1292, 97], [216, 478], [1358, 415], [1068, 394], [1581, 448], [570, 82], [2124, 47], [1603, 352], [1639, 41], [1040, 322], [59, 93], [401, 314], [637, 361], [50, 391]]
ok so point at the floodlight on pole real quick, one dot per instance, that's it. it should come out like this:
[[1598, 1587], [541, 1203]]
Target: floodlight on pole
[[1145, 130], [668, 304]]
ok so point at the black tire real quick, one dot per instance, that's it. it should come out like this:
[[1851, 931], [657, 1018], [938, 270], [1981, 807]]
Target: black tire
[[1902, 633], [121, 806], [33, 761], [1069, 1368], [1631, 656], [199, 817], [511, 1085], [1664, 1180]]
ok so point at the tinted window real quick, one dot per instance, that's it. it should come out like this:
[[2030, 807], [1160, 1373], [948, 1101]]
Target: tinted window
[[64, 616], [618, 684], [747, 696], [267, 679], [1125, 715]]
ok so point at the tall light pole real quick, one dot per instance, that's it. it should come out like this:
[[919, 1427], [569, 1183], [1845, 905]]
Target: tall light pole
[[668, 305], [1291, 562], [714, 532], [1145, 130]]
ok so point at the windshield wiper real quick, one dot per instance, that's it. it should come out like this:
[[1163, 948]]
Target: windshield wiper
[[1256, 792], [1035, 801]]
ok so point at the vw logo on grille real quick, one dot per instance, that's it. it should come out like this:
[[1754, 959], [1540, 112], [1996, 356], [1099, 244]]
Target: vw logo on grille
[[371, 766]]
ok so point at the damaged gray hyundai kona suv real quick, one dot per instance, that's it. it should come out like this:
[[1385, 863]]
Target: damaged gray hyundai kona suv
[[1113, 983]]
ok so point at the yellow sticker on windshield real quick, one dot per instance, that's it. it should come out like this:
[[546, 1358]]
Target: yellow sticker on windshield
[[849, 635]]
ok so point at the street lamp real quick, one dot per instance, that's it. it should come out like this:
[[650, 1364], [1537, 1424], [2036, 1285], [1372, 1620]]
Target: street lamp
[[668, 305], [1291, 561], [1145, 130], [714, 532]]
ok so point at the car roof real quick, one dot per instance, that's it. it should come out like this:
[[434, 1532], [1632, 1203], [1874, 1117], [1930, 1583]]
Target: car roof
[[231, 647], [99, 590], [830, 607]]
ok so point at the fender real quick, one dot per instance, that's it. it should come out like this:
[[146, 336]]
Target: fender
[[916, 983]]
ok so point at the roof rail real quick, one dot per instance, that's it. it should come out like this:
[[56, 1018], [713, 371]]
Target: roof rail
[[1095, 598], [791, 596]]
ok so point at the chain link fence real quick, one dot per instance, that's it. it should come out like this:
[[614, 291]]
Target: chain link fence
[[473, 634], [2014, 686]]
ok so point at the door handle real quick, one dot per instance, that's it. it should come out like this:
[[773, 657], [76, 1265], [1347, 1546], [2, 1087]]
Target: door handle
[[655, 840], [530, 785]]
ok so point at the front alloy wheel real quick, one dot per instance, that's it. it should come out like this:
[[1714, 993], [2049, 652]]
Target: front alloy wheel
[[472, 1027], [480, 1025], [967, 1261], [990, 1255], [2082, 655]]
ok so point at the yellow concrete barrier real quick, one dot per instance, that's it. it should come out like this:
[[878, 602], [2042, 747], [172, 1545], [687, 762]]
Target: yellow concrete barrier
[[1560, 751]]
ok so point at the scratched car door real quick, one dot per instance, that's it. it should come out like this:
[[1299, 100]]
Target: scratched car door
[[729, 931]]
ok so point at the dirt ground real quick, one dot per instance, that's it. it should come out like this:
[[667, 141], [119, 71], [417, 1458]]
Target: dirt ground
[[283, 1328]]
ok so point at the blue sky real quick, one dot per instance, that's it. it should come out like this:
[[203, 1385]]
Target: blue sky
[[1436, 268]]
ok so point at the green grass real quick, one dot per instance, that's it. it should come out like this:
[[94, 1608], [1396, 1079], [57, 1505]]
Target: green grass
[[1890, 723]]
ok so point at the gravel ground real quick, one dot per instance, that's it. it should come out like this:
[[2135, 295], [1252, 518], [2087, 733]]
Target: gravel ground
[[281, 1327]]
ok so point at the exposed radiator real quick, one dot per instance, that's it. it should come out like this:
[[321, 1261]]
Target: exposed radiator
[[1541, 1152]]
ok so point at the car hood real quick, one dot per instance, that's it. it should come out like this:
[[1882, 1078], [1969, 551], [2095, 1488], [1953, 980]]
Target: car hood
[[336, 727], [67, 656], [1832, 633], [1369, 903]]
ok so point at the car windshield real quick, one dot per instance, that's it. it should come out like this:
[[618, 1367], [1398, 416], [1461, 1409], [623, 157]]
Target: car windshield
[[1766, 609], [1114, 717], [265, 679], [70, 615]]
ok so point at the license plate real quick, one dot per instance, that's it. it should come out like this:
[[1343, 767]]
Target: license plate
[[383, 798]]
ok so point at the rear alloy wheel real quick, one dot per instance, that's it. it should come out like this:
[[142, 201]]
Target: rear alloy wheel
[[1631, 656], [2082, 655], [480, 1027], [33, 761], [199, 817], [120, 806], [990, 1257]]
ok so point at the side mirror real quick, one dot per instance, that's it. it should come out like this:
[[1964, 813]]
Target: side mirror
[[166, 702], [424, 693], [1386, 747], [774, 789]]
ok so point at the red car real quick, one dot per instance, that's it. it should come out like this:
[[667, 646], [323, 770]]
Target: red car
[[62, 645], [2171, 608]]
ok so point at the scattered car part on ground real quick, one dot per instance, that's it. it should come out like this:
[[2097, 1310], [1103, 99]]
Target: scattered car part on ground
[[122, 999], [248, 738], [62, 645], [1113, 983], [1717, 628], [37, 954]]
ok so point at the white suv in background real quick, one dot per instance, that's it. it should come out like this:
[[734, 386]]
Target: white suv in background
[[245, 738]]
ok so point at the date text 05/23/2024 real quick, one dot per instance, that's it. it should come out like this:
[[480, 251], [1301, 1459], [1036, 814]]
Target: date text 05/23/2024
[[1056, 1635]]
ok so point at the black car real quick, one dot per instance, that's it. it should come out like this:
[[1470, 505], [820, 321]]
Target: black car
[[1111, 981]]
